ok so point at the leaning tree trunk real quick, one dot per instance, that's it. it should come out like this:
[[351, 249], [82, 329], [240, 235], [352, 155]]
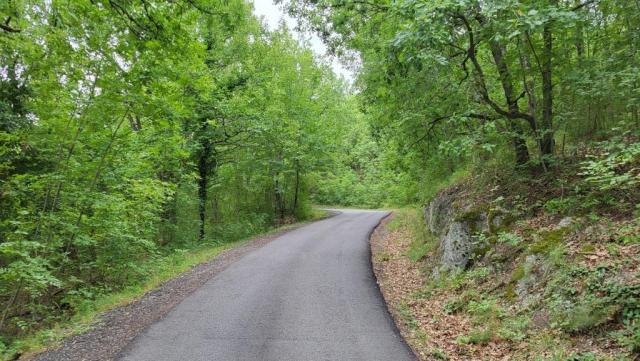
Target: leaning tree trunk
[[519, 142]]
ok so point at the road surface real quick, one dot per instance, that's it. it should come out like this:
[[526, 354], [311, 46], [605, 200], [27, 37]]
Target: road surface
[[308, 295]]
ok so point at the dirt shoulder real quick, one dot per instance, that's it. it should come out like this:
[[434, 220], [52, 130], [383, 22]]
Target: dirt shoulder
[[419, 312], [117, 327]]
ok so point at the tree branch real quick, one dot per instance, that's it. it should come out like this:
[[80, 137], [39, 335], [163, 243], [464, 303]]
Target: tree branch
[[484, 92], [8, 28], [580, 6]]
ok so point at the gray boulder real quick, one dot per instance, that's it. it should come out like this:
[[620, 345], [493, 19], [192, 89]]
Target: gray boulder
[[456, 247], [456, 244], [439, 213]]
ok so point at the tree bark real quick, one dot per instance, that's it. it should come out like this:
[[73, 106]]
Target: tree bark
[[519, 142], [297, 190], [203, 183], [547, 143]]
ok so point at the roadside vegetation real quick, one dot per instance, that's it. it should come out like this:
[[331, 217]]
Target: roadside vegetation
[[520, 120]]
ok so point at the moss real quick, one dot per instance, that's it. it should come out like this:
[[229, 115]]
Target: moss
[[517, 274], [473, 215], [510, 292], [588, 248], [549, 240], [507, 220]]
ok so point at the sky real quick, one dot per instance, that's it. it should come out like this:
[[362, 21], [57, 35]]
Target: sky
[[272, 14]]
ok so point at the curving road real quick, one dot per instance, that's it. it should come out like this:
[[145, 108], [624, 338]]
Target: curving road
[[308, 295]]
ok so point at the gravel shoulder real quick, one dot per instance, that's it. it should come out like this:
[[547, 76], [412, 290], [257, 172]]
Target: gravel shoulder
[[116, 328]]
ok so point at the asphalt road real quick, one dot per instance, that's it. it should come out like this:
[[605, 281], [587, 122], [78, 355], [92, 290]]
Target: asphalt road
[[307, 295]]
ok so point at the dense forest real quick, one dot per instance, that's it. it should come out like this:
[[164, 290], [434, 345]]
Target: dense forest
[[132, 130]]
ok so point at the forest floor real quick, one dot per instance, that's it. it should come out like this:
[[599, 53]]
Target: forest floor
[[106, 334]]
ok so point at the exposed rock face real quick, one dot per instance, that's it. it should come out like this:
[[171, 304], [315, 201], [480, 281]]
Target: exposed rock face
[[439, 212], [456, 247], [455, 223], [565, 222], [532, 273]]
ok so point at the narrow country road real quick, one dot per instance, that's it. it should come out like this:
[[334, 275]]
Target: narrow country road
[[308, 295]]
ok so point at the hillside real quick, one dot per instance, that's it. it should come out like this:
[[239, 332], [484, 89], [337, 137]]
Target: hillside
[[521, 268]]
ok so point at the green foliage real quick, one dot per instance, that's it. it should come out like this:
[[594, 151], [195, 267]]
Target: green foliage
[[586, 316], [420, 249], [561, 205], [509, 238], [407, 315], [582, 356], [460, 303], [438, 354], [130, 131], [630, 335], [484, 311], [479, 336], [618, 167], [422, 241], [514, 329], [599, 301]]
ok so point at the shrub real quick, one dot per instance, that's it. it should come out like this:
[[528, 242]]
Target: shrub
[[515, 329], [615, 167]]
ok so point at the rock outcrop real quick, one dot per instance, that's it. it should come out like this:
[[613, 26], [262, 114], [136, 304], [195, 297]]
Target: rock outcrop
[[454, 222]]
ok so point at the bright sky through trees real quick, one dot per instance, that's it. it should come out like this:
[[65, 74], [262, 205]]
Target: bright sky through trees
[[273, 15]]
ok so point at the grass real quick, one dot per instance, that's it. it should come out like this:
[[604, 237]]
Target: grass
[[164, 269], [422, 242]]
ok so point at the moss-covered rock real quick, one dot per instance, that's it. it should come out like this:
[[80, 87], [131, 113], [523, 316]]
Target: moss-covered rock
[[548, 241]]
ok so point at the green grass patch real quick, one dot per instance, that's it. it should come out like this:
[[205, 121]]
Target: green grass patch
[[480, 336], [407, 316], [422, 241], [439, 354]]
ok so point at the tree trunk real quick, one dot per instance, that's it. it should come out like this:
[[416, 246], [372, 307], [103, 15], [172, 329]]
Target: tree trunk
[[297, 190], [279, 206], [203, 183], [547, 144], [519, 142]]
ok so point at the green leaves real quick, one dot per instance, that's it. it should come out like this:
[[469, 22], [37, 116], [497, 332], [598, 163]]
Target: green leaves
[[617, 168]]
